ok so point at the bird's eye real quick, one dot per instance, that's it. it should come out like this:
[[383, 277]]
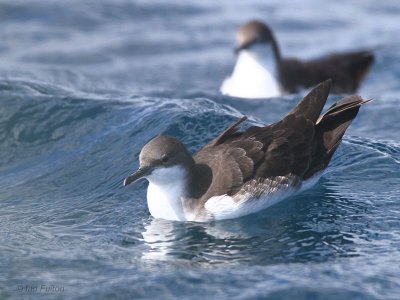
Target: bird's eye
[[164, 158]]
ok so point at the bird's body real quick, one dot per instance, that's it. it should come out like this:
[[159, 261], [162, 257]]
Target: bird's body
[[239, 173], [290, 75], [347, 70]]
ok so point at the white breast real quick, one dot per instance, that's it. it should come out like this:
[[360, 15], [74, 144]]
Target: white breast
[[252, 77], [166, 192]]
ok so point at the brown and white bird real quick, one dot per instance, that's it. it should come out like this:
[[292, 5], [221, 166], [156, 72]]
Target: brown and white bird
[[242, 172], [261, 72]]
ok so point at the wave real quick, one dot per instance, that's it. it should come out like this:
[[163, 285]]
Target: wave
[[43, 122]]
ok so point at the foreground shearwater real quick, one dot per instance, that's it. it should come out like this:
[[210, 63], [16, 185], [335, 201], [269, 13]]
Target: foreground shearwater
[[261, 72], [242, 172]]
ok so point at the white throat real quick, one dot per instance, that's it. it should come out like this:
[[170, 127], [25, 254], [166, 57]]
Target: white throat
[[166, 193], [255, 74]]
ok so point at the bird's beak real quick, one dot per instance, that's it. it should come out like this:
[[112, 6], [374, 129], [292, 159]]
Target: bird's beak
[[140, 173], [245, 45], [238, 49]]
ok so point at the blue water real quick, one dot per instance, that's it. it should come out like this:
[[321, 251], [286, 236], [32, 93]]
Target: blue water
[[84, 85]]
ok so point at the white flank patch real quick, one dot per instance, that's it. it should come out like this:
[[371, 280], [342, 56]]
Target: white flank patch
[[224, 207], [254, 76]]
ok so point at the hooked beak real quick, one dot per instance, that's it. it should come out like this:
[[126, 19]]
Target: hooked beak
[[243, 47], [140, 173]]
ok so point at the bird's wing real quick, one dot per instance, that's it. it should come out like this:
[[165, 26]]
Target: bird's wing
[[263, 163], [279, 149], [290, 145], [231, 163]]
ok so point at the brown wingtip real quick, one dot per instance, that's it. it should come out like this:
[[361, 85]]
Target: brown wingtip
[[235, 126], [368, 101], [228, 132], [324, 86], [242, 119], [313, 103], [327, 82]]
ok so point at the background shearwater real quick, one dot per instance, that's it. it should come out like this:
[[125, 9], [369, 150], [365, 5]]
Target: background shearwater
[[262, 72]]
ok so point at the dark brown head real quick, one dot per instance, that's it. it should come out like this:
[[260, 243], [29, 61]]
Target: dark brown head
[[253, 33], [163, 159]]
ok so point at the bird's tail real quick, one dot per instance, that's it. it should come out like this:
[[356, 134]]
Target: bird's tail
[[357, 64], [330, 128]]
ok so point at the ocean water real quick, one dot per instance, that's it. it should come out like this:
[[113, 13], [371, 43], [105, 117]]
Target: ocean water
[[85, 84]]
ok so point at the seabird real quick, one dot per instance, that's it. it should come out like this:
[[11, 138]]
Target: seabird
[[242, 172], [261, 72]]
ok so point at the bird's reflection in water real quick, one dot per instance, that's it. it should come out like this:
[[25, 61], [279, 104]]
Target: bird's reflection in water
[[231, 241], [161, 236]]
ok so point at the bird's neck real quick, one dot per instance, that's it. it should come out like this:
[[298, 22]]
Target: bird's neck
[[256, 74]]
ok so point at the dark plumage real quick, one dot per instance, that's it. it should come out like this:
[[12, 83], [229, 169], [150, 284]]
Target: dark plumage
[[301, 144]]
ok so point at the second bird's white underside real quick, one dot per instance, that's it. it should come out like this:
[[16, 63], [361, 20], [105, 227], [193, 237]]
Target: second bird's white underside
[[252, 77]]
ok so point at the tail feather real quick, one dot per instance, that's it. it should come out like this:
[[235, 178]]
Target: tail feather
[[346, 103], [330, 129], [359, 64]]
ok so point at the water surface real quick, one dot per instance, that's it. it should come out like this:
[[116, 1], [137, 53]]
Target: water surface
[[84, 85]]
